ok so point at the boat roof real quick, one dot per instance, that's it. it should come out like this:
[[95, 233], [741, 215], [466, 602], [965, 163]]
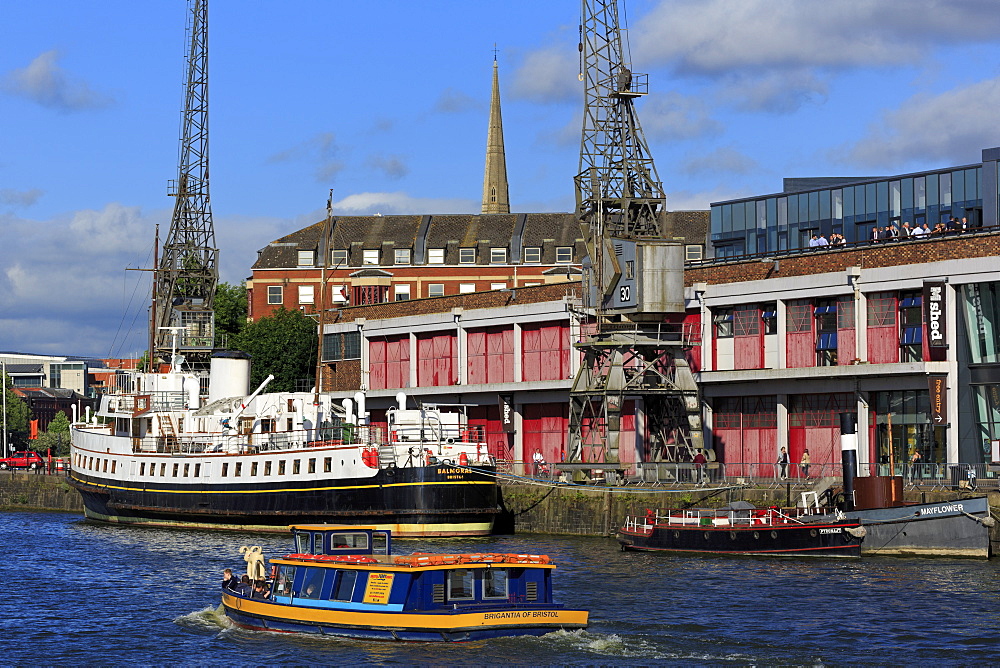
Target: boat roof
[[333, 527]]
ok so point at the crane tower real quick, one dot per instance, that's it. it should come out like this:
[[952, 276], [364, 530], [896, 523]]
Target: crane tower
[[632, 344], [187, 273]]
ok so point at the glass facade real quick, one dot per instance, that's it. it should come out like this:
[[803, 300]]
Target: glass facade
[[786, 221], [980, 308]]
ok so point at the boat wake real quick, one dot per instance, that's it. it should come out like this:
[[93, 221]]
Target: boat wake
[[207, 620]]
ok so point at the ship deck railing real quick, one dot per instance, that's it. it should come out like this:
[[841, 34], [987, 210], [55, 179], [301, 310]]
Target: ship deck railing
[[220, 442], [932, 476]]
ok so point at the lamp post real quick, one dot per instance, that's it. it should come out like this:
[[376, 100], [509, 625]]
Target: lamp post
[[3, 390]]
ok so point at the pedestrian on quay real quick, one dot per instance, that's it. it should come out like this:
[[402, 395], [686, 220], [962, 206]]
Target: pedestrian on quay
[[783, 464], [914, 464], [804, 463], [699, 466]]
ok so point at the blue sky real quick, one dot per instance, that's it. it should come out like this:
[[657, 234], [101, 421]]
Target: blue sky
[[387, 104]]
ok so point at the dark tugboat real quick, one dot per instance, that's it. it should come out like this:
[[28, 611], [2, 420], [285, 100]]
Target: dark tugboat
[[742, 529]]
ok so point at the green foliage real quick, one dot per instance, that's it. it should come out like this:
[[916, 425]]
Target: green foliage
[[55, 438], [283, 344], [230, 307], [15, 421]]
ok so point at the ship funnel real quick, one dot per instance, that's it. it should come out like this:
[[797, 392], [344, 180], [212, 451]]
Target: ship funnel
[[359, 399], [401, 400], [849, 455], [229, 375], [348, 405]]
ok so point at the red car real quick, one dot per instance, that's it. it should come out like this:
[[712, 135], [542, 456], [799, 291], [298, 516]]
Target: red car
[[22, 460]]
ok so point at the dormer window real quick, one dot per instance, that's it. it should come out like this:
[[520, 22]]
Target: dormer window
[[307, 258], [564, 254], [466, 255], [338, 258], [532, 255], [369, 257], [402, 256], [435, 256], [498, 256]]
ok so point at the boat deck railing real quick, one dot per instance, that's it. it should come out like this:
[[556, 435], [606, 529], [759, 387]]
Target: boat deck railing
[[716, 518]]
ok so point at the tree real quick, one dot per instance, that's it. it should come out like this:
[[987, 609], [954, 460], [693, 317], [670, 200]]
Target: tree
[[283, 344], [55, 437], [230, 312], [15, 420]]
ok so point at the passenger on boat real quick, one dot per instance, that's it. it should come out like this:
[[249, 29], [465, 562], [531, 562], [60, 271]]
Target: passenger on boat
[[245, 588], [261, 590], [229, 583]]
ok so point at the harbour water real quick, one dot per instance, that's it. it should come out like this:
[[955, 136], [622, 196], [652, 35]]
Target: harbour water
[[81, 594]]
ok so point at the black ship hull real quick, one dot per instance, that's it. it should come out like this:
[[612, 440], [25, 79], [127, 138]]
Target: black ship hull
[[792, 540], [419, 501]]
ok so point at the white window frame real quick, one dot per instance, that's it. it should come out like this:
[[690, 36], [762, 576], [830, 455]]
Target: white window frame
[[401, 292], [466, 288], [275, 291], [564, 254], [369, 256], [338, 257], [338, 294], [435, 256], [435, 289], [306, 258], [498, 256], [466, 255], [498, 286], [307, 294], [693, 252], [401, 256], [532, 255]]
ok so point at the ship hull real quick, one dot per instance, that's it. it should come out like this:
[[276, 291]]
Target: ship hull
[[942, 529], [411, 502], [812, 540]]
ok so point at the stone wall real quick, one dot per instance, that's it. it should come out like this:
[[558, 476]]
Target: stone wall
[[37, 491]]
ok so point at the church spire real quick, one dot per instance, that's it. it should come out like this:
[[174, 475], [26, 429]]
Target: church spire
[[495, 197]]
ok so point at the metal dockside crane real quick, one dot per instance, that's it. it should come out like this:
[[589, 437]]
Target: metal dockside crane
[[633, 345], [187, 273]]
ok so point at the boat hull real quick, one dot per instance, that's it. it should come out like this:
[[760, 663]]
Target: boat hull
[[410, 502], [942, 529], [444, 626], [790, 540]]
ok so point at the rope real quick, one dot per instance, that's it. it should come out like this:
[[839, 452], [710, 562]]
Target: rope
[[568, 485]]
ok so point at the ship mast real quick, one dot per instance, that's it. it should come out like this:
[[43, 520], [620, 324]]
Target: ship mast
[[187, 273]]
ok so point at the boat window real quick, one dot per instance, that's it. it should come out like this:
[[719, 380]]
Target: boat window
[[253, 468], [380, 542], [296, 465], [352, 541], [225, 469], [267, 468], [176, 468], [312, 583], [327, 464], [163, 469], [197, 470], [312, 465], [142, 468], [281, 467], [495, 583], [302, 544], [344, 591], [239, 469], [283, 585], [460, 584], [187, 469]]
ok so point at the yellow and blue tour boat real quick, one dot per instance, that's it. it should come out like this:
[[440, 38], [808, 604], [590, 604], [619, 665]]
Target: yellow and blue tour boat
[[345, 581]]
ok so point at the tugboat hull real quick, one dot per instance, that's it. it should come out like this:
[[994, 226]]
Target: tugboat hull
[[793, 540]]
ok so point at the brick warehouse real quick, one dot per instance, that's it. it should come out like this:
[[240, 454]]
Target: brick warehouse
[[759, 333]]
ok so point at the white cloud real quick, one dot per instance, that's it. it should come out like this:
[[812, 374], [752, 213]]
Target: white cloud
[[392, 166], [452, 101], [401, 203], [675, 116], [726, 159], [548, 75], [321, 151], [47, 84], [709, 37], [950, 128], [19, 198]]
